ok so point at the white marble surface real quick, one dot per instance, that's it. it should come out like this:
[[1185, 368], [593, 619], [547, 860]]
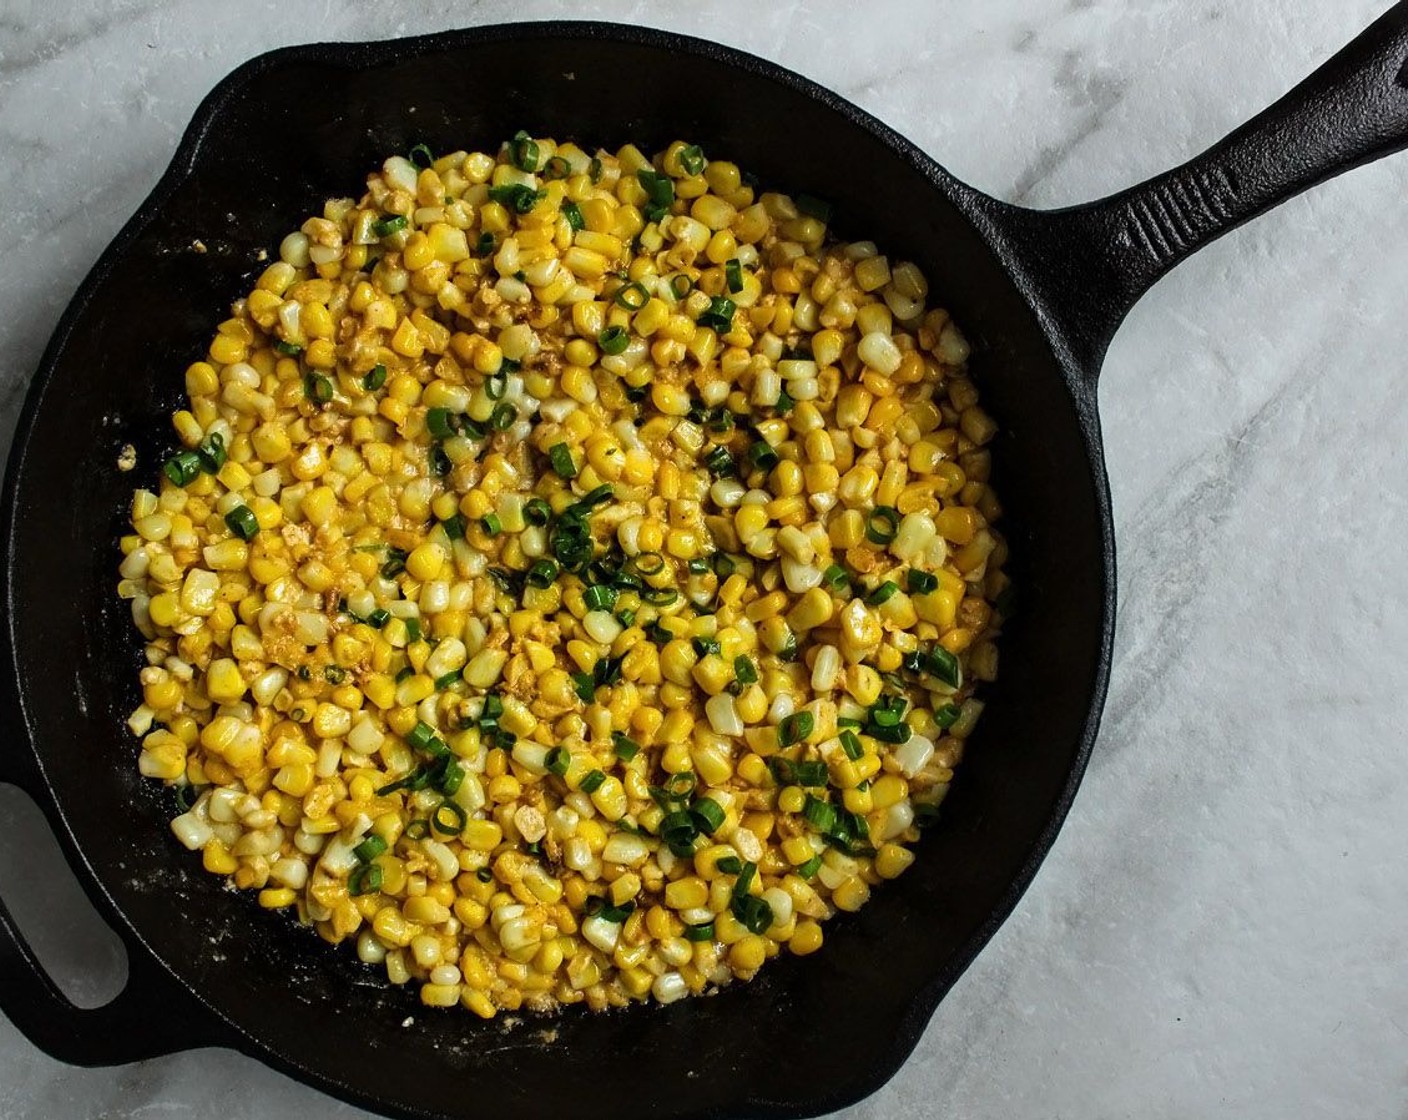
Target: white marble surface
[[1219, 931]]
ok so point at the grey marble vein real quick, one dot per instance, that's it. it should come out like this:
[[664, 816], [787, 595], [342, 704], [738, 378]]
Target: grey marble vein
[[1219, 930]]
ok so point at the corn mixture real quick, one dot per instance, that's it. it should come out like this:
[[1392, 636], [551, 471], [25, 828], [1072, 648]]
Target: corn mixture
[[573, 578]]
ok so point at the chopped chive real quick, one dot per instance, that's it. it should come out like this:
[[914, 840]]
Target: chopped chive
[[733, 273], [784, 402], [496, 384], [882, 524], [591, 781], [795, 728], [613, 340], [646, 564], [625, 747], [729, 865], [387, 226], [375, 379], [883, 594], [626, 618], [632, 296], [900, 733], [681, 285], [561, 457], [242, 522], [181, 468], [811, 774], [698, 566]]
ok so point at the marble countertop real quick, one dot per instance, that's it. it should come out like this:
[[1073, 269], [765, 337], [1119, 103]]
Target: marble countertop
[[1220, 929]]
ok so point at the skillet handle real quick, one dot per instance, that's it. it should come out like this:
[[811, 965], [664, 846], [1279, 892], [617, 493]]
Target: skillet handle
[[151, 1016], [1087, 266]]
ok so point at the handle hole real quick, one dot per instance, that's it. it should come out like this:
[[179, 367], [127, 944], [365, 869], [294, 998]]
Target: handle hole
[[77, 949]]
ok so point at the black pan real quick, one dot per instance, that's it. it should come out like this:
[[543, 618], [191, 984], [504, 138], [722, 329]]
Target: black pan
[[1040, 295]]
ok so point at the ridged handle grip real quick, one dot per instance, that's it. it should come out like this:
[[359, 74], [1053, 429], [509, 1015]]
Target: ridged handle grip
[[1086, 266]]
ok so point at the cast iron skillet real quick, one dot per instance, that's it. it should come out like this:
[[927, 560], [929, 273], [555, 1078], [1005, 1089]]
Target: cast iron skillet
[[1039, 293]]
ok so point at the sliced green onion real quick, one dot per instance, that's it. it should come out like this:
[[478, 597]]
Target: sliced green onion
[[420, 736], [729, 865], [387, 226], [812, 773], [523, 152], [850, 743], [585, 685], [542, 573], [369, 848], [762, 456], [491, 523], [599, 597], [626, 618], [503, 416], [449, 818], [212, 453], [613, 340], [438, 423], [720, 462], [520, 198], [365, 879], [421, 156], [810, 868], [537, 512], [485, 245], [375, 379], [836, 578], [647, 563], [719, 314], [440, 464], [944, 665], [183, 467], [733, 273], [659, 596], [921, 582], [708, 815], [558, 761], [451, 780], [705, 646], [496, 384], [591, 781], [573, 213], [556, 168], [561, 457], [591, 499], [900, 733], [821, 815], [317, 388], [784, 402], [632, 296], [453, 677], [625, 747], [947, 716], [744, 670], [287, 349], [883, 594], [379, 618], [795, 728], [703, 931], [755, 913], [691, 159], [594, 169], [242, 522], [454, 527], [607, 671], [882, 524]]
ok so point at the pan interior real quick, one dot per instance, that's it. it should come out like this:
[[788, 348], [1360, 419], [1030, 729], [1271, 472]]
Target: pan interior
[[304, 125]]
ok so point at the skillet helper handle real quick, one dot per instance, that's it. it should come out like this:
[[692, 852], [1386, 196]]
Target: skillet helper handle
[[1090, 264], [151, 1016]]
